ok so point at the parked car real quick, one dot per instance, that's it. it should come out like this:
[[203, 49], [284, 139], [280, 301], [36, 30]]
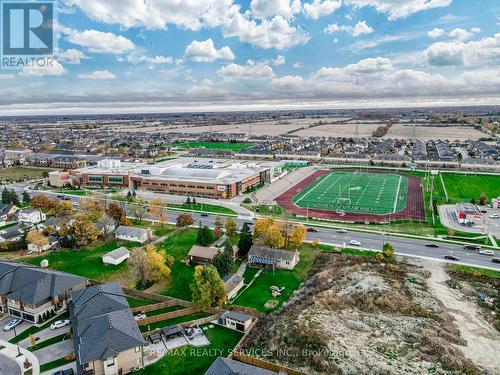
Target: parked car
[[60, 196], [451, 257], [487, 252], [495, 260], [140, 317], [472, 247], [432, 245], [204, 214], [494, 216], [12, 324], [59, 324], [312, 230], [249, 223], [76, 204], [355, 243], [67, 198]]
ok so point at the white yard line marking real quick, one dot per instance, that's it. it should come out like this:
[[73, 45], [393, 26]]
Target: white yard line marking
[[314, 188], [397, 194]]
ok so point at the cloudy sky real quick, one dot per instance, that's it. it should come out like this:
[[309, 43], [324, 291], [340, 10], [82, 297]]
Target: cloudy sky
[[160, 55]]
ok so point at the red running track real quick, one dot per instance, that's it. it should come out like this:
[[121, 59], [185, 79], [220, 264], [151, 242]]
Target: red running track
[[415, 209]]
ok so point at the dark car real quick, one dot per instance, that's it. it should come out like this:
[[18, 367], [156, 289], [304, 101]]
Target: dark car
[[472, 247], [312, 230], [204, 215], [248, 223], [451, 257], [495, 260], [431, 245], [64, 372]]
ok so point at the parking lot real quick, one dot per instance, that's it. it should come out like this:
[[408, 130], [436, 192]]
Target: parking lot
[[448, 219]]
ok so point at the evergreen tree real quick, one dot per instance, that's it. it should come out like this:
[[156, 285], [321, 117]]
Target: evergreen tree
[[224, 261], [5, 196], [188, 201], [246, 240], [26, 198], [205, 236]]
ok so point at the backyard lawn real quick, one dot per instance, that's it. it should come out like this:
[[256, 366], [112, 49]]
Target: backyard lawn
[[190, 360], [461, 187], [87, 262], [178, 246], [134, 302], [259, 292]]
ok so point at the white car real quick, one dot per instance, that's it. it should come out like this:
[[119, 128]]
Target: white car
[[494, 216], [355, 243], [487, 252], [12, 324], [140, 317], [59, 324]]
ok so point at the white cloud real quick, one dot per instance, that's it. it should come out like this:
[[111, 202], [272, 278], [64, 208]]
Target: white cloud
[[288, 83], [205, 51], [54, 68], [250, 71], [435, 33], [98, 75], [399, 8], [462, 34], [269, 33], [6, 76], [461, 53], [149, 60], [359, 29], [279, 60], [298, 65], [98, 41], [270, 8], [72, 56], [205, 90], [319, 8]]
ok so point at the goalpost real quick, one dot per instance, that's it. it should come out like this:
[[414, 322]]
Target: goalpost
[[344, 200]]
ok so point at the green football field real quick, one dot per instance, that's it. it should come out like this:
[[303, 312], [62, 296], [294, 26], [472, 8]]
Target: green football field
[[368, 193]]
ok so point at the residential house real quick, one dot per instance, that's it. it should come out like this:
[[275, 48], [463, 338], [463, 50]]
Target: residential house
[[31, 293], [53, 242], [235, 320], [11, 234], [233, 284], [8, 212], [262, 256], [226, 366], [106, 336], [55, 222], [133, 234], [202, 254], [116, 256], [31, 216]]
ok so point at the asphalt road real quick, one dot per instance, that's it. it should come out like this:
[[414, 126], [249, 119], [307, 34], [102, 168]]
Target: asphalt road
[[9, 366], [402, 245]]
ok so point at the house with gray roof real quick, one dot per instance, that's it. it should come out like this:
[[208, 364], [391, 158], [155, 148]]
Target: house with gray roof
[[116, 256], [225, 366], [11, 234], [235, 320], [133, 234], [32, 293], [106, 336], [263, 256]]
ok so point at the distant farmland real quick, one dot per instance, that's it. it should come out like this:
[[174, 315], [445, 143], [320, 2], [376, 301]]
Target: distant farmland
[[215, 145]]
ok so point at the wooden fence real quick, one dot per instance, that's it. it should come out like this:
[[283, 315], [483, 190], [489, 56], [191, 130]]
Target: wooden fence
[[169, 315], [266, 364], [154, 307]]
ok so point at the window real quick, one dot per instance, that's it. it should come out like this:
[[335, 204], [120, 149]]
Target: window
[[137, 349], [95, 179], [115, 180], [110, 362]]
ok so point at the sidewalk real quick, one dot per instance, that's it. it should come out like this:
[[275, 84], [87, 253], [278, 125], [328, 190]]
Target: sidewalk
[[11, 351]]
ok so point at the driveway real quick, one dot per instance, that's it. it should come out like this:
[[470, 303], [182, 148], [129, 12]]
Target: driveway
[[54, 352], [10, 334], [45, 334], [9, 366]]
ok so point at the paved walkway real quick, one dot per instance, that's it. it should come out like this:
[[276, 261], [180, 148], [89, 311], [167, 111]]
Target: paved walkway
[[241, 269], [10, 351], [45, 335]]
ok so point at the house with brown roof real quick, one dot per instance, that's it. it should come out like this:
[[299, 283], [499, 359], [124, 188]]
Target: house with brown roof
[[202, 254]]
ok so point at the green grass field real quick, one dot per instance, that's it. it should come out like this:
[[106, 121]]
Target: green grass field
[[22, 173], [216, 145], [462, 187], [191, 360], [355, 192]]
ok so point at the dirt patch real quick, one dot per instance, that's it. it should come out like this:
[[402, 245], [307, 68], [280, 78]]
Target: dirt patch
[[355, 315]]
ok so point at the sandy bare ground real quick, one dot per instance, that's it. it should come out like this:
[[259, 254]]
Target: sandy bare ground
[[462, 133], [483, 341], [340, 130]]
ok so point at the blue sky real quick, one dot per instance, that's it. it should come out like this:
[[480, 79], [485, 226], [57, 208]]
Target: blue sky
[[162, 55]]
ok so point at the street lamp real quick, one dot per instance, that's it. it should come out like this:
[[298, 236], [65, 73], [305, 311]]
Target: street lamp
[[17, 344]]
